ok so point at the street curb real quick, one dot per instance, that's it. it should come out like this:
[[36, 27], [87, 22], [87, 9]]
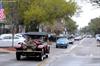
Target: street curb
[[7, 50]]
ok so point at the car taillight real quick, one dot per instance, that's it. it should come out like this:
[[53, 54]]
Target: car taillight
[[18, 46], [40, 46]]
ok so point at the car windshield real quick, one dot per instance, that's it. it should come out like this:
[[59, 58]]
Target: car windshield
[[62, 39]]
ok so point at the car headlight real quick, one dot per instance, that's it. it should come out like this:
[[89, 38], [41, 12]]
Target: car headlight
[[63, 43]]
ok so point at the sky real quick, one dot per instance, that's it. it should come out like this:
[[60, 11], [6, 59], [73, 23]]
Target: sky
[[88, 12]]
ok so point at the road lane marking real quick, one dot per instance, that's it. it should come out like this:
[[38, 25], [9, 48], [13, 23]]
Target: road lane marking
[[74, 46], [86, 56], [43, 63], [70, 49]]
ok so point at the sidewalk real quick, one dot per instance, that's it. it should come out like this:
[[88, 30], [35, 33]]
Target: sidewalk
[[7, 50]]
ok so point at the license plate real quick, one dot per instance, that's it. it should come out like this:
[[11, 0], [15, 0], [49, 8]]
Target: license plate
[[29, 50]]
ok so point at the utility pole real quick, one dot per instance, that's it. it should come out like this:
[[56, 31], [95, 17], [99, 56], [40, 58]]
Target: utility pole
[[13, 24], [12, 8]]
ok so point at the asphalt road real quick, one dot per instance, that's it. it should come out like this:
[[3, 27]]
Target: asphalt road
[[86, 53], [82, 53]]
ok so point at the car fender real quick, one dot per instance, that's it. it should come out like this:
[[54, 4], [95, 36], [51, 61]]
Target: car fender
[[41, 46]]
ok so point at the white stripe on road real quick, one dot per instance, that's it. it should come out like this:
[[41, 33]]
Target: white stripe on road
[[88, 56], [74, 46]]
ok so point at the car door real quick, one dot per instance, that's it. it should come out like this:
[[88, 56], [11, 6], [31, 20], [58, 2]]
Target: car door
[[5, 41], [16, 40]]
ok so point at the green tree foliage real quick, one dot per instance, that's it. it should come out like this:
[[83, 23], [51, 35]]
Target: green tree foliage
[[49, 10], [42, 11], [94, 25], [70, 25], [85, 30]]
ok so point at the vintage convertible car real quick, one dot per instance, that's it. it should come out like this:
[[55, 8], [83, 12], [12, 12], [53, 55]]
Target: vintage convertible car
[[39, 49]]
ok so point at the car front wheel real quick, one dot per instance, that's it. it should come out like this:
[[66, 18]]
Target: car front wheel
[[66, 46], [56, 46]]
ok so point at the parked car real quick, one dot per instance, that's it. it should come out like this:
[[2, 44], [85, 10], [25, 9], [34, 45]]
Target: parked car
[[98, 37], [8, 40], [89, 36], [62, 42], [38, 48], [78, 38], [21, 35], [71, 41]]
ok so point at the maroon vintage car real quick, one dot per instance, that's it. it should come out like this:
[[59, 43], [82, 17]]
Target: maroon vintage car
[[39, 49]]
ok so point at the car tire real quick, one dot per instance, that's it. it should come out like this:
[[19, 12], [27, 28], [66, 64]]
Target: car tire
[[18, 56], [46, 55], [70, 42], [66, 46], [41, 58], [56, 46], [48, 50]]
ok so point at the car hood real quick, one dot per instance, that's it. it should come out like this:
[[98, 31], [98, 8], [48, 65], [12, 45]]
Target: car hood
[[61, 42]]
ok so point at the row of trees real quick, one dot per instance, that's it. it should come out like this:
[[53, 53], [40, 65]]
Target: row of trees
[[33, 13], [94, 25], [70, 25]]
